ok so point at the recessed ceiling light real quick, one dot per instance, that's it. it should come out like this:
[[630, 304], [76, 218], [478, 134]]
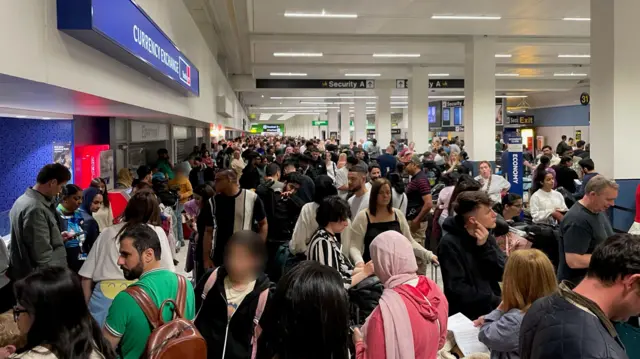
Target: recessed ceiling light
[[298, 54], [288, 74], [572, 74], [363, 75], [574, 56], [503, 55], [576, 19], [438, 75], [262, 96], [465, 17], [396, 55], [508, 75], [322, 14]]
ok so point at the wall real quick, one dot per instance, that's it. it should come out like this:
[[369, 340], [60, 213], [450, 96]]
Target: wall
[[23, 156], [34, 49], [553, 122], [301, 125], [90, 130]]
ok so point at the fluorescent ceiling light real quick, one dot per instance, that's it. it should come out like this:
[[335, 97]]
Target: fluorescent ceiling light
[[321, 97], [438, 75], [288, 74], [508, 75], [396, 55], [569, 74], [298, 54], [285, 117], [399, 97], [362, 75], [576, 19], [322, 14], [399, 107], [512, 96], [371, 103], [465, 17], [504, 55], [399, 103], [569, 56], [298, 108], [325, 103], [447, 97]]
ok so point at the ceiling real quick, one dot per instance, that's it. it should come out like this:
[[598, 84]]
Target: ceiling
[[532, 32]]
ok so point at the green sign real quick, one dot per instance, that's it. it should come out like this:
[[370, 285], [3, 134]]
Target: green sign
[[266, 128], [320, 123]]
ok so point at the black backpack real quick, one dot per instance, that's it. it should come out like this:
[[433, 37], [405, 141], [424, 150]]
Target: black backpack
[[281, 213]]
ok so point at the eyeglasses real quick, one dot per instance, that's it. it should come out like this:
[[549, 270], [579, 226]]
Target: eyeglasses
[[16, 313]]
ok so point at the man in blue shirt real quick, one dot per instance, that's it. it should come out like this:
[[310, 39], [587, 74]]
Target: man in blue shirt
[[387, 162], [589, 170]]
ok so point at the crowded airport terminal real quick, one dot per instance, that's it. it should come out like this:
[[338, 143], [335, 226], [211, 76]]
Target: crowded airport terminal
[[319, 179]]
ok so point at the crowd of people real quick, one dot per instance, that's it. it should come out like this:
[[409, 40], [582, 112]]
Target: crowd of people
[[310, 249]]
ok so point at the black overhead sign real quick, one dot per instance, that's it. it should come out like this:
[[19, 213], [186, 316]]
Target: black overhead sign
[[435, 84], [520, 120], [315, 84]]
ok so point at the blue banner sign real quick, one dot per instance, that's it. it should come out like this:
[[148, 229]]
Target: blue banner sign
[[513, 139], [122, 30]]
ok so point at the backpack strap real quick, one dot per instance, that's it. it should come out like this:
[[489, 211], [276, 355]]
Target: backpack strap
[[211, 281], [257, 329], [181, 296], [146, 304]]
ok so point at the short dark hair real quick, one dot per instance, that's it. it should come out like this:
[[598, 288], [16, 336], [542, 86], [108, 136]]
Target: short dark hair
[[70, 190], [566, 159], [54, 171], [617, 257], [324, 188], [372, 166], [272, 170], [358, 168], [143, 171], [564, 137], [580, 143], [547, 146], [252, 242], [469, 201], [587, 163], [352, 160], [332, 209], [198, 158], [144, 237], [163, 151]]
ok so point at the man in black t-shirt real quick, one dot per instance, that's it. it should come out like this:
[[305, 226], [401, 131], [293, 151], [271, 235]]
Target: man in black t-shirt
[[419, 200], [565, 175], [584, 227]]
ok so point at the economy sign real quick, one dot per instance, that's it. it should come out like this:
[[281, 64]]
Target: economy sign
[[513, 139], [122, 30]]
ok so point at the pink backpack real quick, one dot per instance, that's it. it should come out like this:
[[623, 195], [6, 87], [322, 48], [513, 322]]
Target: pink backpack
[[257, 330]]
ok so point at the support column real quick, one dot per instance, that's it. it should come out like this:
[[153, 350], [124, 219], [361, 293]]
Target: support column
[[345, 124], [404, 125], [383, 114], [479, 99], [360, 120], [418, 124], [332, 117], [323, 117]]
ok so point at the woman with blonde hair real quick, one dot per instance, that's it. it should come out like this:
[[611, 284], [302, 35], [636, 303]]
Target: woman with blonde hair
[[528, 276], [125, 180]]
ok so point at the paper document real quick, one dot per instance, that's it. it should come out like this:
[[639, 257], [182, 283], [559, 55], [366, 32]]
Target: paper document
[[466, 335]]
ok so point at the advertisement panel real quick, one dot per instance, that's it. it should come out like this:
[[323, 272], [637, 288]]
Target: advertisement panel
[[513, 139]]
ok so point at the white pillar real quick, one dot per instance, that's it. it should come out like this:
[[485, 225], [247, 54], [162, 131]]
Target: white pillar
[[615, 83], [323, 117], [479, 99], [345, 119], [360, 120], [418, 124], [383, 114], [404, 125], [332, 117]]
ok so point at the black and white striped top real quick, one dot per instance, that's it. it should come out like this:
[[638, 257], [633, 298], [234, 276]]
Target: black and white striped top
[[324, 248]]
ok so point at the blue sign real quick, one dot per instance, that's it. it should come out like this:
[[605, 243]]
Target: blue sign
[[513, 139], [121, 29]]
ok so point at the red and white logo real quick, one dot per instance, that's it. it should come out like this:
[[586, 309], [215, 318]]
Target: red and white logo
[[185, 72]]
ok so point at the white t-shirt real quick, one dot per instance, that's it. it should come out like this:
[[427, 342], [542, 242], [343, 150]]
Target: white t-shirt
[[399, 201], [235, 296], [357, 204], [102, 261], [498, 184], [342, 179], [543, 204]]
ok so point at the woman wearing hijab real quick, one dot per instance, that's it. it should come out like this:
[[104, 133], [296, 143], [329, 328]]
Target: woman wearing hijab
[[411, 318], [125, 180], [92, 200]]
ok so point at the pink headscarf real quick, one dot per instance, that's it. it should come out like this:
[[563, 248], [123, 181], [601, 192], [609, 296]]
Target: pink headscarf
[[395, 264]]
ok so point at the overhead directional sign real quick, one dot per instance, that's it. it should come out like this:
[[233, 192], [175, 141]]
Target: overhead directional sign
[[320, 123], [314, 84], [434, 83]]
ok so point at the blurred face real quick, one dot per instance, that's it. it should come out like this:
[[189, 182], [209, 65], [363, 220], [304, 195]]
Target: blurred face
[[485, 216], [130, 261], [96, 204], [485, 170], [375, 174], [600, 202], [356, 181], [547, 185], [72, 203], [315, 155], [240, 263], [221, 183], [236, 155], [384, 196], [547, 152], [22, 318], [338, 227]]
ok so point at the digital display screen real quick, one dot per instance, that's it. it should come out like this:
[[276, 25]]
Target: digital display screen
[[446, 117], [432, 114], [457, 116]]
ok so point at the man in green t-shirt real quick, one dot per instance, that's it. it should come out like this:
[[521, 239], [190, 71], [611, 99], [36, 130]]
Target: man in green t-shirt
[[164, 163], [127, 328]]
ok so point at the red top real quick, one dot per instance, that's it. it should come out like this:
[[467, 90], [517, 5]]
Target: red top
[[427, 338], [638, 204]]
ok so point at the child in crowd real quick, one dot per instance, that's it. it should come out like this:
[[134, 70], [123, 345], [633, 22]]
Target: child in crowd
[[528, 276], [231, 297]]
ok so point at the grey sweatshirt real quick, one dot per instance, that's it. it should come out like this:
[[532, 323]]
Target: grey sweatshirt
[[501, 333]]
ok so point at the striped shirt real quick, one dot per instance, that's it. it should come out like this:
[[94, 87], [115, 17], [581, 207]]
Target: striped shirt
[[324, 248]]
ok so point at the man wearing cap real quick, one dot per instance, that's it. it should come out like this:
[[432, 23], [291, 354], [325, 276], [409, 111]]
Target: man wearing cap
[[357, 185], [419, 201]]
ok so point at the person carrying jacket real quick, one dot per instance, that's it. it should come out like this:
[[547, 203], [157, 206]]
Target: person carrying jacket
[[228, 306], [472, 264]]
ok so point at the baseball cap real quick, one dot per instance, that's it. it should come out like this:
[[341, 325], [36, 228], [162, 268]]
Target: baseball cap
[[415, 159]]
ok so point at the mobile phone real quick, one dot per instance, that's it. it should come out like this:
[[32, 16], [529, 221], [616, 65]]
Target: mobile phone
[[353, 328]]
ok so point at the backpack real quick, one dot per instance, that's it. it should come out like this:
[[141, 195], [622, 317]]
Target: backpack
[[262, 302], [177, 338], [279, 216]]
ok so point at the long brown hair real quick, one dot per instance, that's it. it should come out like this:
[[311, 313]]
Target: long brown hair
[[375, 190], [143, 207], [528, 276]]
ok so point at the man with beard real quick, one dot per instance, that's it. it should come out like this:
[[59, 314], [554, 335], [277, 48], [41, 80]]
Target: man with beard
[[127, 326], [374, 173]]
